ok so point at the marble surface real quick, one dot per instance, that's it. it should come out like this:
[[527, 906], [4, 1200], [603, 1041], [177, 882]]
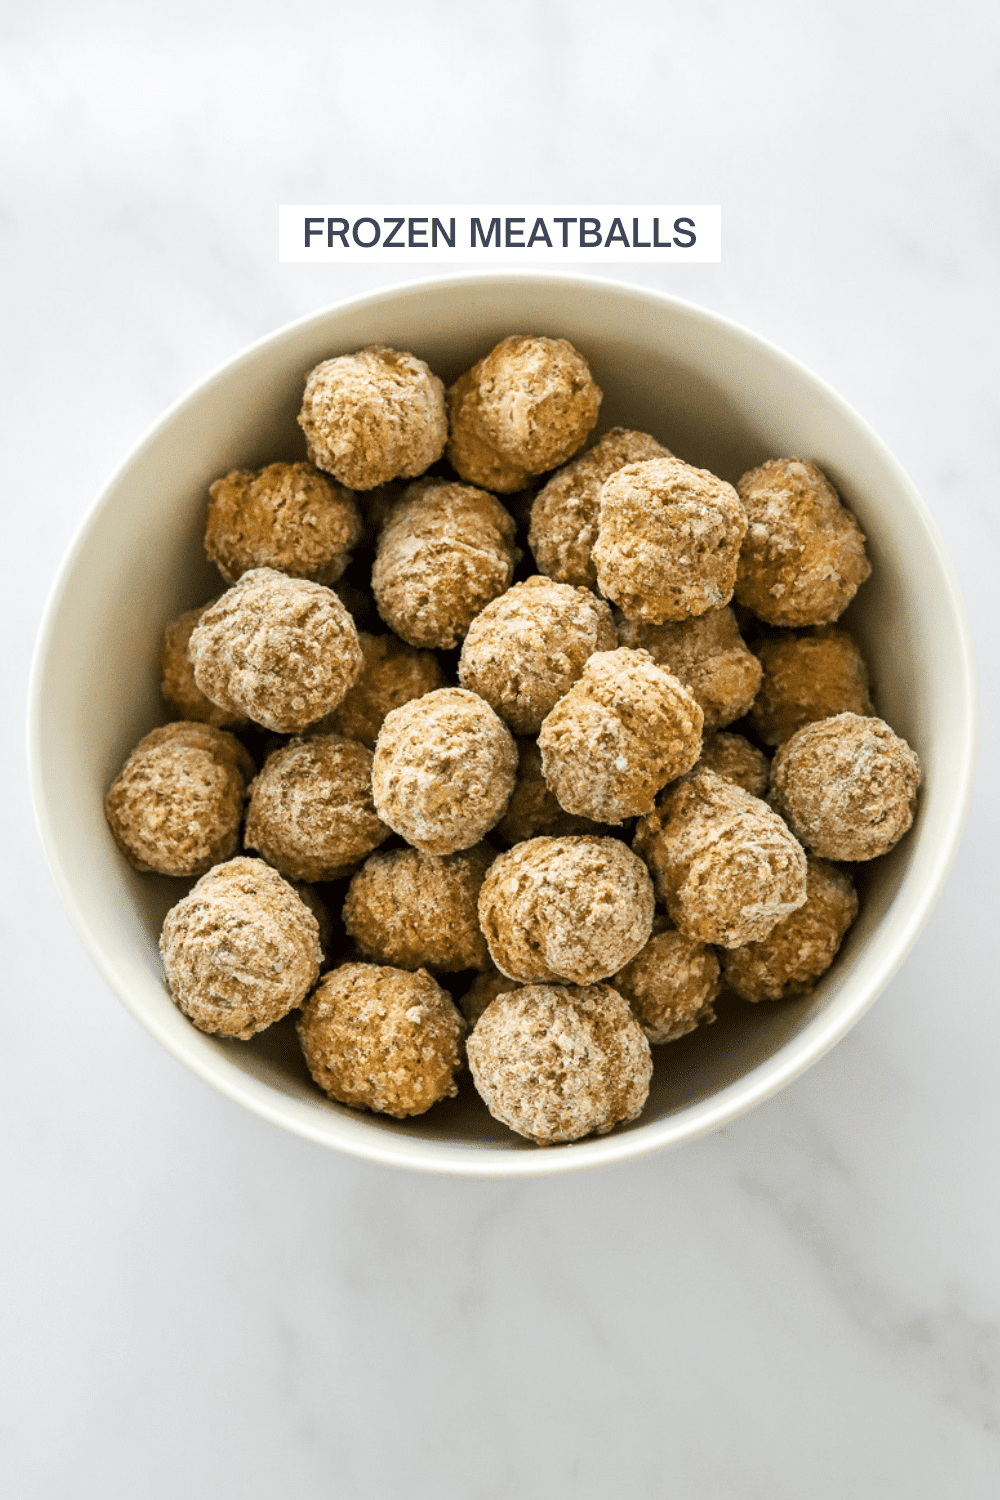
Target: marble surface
[[193, 1303]]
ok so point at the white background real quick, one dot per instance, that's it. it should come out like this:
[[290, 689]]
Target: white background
[[807, 1304]]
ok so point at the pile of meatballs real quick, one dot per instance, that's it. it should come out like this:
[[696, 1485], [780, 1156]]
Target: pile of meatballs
[[480, 753]]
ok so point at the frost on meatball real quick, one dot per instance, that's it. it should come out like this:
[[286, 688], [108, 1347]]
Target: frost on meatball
[[241, 950], [670, 984], [175, 807], [177, 676], [283, 651], [802, 946], [524, 408], [444, 553], [726, 866], [847, 786], [803, 558], [533, 809], [383, 1039], [567, 908], [565, 513], [809, 677], [527, 648], [373, 416], [558, 1062], [444, 770], [392, 673], [285, 516], [619, 735], [311, 812], [668, 540], [709, 656], [420, 911]]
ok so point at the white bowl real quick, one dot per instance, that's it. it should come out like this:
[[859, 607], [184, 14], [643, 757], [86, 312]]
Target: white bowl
[[721, 398]]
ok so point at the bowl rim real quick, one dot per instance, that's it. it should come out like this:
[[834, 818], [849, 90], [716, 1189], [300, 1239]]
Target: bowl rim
[[448, 1158]]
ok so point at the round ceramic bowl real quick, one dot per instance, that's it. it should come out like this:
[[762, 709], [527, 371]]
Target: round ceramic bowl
[[722, 399]]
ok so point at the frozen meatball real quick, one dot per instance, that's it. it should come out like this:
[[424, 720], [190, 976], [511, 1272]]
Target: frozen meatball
[[241, 950], [569, 908], [803, 558], [483, 990], [444, 553], [566, 511], [670, 984], [847, 786], [373, 416], [619, 735], [709, 656], [533, 809], [311, 812], [558, 1062], [177, 676], [527, 648], [392, 674], [809, 677], [287, 516], [175, 807], [733, 757], [282, 650], [382, 1039], [802, 946], [525, 408], [420, 911], [725, 865], [444, 770], [668, 540]]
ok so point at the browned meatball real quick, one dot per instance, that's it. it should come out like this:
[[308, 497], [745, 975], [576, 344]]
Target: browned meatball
[[286, 516], [619, 735], [444, 770], [420, 911], [241, 950], [311, 812], [847, 786], [555, 1063], [725, 865], [282, 650], [524, 408], [383, 1039], [445, 551], [803, 558], [175, 807], [570, 908], [668, 541], [373, 416]]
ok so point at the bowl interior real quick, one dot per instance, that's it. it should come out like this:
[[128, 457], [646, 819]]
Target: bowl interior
[[717, 396]]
